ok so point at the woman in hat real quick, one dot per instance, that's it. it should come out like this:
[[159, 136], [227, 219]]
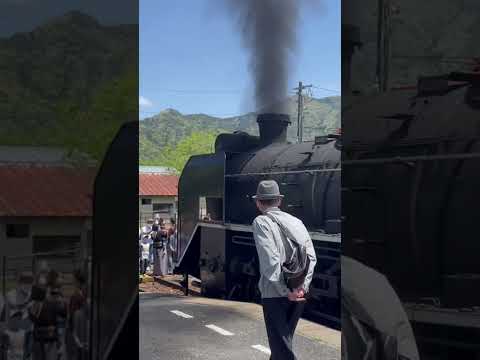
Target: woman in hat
[[160, 267]]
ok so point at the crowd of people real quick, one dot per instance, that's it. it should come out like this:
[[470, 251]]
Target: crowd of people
[[39, 320], [157, 246]]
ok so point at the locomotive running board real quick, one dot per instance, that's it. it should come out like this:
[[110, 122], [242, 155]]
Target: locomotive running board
[[317, 236], [336, 238]]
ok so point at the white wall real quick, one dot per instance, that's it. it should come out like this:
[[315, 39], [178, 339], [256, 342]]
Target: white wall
[[145, 211], [41, 226]]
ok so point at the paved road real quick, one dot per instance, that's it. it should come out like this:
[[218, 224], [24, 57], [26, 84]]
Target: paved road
[[184, 328]]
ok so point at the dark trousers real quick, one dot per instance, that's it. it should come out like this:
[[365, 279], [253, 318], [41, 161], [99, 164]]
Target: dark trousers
[[281, 317], [143, 266]]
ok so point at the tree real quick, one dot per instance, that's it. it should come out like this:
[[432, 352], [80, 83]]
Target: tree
[[92, 130], [195, 144]]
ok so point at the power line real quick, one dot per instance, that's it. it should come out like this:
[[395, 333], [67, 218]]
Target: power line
[[225, 91], [325, 89]]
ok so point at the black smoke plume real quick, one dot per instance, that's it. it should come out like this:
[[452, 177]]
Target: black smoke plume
[[268, 30]]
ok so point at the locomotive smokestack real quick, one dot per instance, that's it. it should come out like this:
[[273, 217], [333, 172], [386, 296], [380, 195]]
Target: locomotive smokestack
[[273, 128]]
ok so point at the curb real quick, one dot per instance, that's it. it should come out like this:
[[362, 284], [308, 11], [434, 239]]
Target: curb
[[176, 285]]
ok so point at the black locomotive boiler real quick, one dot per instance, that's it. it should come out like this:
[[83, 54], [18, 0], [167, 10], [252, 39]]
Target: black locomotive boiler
[[410, 171], [216, 211]]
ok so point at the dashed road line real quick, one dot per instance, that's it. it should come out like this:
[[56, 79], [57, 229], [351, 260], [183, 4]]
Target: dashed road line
[[181, 314], [219, 330], [262, 349]]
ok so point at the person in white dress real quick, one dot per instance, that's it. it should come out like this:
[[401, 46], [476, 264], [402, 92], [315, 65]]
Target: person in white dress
[[145, 253]]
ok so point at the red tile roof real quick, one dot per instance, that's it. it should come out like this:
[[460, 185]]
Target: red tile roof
[[158, 184], [46, 190]]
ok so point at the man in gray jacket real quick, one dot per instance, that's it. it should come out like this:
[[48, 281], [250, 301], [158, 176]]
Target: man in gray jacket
[[282, 307]]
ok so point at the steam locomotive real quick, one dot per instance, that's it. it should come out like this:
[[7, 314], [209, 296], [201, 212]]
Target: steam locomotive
[[410, 160], [410, 195], [215, 240]]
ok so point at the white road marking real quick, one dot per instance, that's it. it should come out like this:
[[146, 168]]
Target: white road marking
[[262, 349], [181, 314], [219, 330]]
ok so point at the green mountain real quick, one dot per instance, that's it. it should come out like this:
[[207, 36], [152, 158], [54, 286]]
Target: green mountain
[[66, 79], [166, 129]]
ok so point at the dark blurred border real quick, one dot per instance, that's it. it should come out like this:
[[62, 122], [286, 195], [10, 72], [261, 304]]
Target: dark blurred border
[[410, 166], [69, 174]]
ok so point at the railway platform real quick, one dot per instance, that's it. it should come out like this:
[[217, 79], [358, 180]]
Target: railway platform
[[173, 326]]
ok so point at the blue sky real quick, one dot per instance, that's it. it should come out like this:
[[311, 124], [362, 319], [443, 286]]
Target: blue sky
[[192, 58]]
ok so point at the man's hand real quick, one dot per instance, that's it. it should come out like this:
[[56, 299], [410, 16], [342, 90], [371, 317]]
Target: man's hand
[[301, 293], [296, 295], [292, 296]]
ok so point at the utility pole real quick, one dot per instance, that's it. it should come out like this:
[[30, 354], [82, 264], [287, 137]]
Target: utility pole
[[299, 89]]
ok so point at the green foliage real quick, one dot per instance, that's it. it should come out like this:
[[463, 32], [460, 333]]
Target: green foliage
[[91, 130], [88, 129], [113, 104], [176, 156], [160, 134], [71, 83]]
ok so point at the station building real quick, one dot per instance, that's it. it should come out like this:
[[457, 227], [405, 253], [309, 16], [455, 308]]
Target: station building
[[45, 205], [158, 191]]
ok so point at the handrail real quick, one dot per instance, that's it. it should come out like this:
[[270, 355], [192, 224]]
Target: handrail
[[395, 159]]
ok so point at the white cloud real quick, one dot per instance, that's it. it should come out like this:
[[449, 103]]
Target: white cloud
[[144, 102]]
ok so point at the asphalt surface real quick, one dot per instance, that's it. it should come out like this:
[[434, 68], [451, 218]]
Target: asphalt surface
[[210, 329]]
